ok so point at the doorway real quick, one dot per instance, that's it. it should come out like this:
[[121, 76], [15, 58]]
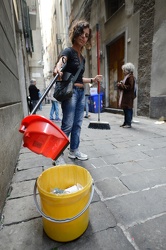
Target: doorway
[[116, 55]]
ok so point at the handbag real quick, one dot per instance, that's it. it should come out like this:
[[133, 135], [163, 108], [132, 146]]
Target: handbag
[[64, 89]]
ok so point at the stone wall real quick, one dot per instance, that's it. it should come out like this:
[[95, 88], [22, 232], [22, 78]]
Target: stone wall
[[147, 11]]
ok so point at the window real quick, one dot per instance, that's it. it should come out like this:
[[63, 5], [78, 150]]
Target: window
[[112, 6], [27, 28]]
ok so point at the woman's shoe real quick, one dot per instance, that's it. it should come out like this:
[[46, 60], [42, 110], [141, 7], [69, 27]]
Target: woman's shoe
[[77, 155], [58, 120], [122, 125], [59, 161], [126, 126]]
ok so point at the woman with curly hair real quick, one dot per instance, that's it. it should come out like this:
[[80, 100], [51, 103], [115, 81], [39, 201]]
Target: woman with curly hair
[[73, 108]]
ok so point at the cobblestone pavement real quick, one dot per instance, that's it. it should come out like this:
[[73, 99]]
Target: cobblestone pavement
[[128, 209]]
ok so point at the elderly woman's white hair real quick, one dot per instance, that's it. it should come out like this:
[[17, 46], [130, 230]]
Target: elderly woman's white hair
[[128, 67], [33, 81]]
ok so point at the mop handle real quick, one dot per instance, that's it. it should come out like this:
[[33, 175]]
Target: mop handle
[[98, 54], [98, 68], [47, 90]]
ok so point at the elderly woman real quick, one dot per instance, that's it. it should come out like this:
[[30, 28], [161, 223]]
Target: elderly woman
[[126, 99]]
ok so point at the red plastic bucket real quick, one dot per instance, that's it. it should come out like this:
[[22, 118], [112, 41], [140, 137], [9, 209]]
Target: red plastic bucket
[[43, 136]]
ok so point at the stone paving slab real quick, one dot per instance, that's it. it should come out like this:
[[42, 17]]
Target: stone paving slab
[[132, 156], [24, 150], [103, 172], [118, 138], [21, 189], [153, 163], [27, 235], [129, 167], [95, 197], [110, 187], [33, 156], [158, 143], [151, 234], [86, 164], [32, 160], [92, 153], [28, 174], [100, 218], [28, 155], [95, 163], [122, 158], [145, 179], [18, 210], [102, 142], [121, 144], [135, 207], [110, 239], [105, 149], [30, 236], [156, 152], [94, 133], [98, 222]]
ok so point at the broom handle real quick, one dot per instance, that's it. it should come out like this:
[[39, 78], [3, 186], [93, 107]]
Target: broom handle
[[98, 68], [46, 91]]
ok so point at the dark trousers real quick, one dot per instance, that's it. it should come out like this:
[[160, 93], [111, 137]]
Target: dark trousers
[[128, 115]]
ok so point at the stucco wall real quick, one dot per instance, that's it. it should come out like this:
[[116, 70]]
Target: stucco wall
[[10, 101], [158, 72], [158, 83], [36, 60]]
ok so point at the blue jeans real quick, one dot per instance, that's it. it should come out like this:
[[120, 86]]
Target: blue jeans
[[54, 109], [73, 113], [128, 115], [40, 107], [34, 102], [87, 104]]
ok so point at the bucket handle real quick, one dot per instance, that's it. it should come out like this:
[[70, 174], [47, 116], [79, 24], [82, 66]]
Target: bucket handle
[[63, 220]]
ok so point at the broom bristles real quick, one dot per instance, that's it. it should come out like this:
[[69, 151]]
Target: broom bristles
[[99, 125]]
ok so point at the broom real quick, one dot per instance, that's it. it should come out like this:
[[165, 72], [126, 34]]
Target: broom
[[98, 124]]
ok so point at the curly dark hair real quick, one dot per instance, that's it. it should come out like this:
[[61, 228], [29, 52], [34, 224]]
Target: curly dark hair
[[77, 29]]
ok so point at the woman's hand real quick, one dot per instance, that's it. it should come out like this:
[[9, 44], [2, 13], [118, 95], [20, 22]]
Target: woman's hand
[[57, 70], [59, 66], [120, 85], [98, 78]]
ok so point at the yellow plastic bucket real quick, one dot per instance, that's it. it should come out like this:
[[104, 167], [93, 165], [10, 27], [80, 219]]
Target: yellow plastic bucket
[[65, 216]]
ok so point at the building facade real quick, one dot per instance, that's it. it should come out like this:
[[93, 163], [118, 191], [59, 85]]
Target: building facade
[[11, 108], [18, 62], [129, 31], [54, 18], [35, 58]]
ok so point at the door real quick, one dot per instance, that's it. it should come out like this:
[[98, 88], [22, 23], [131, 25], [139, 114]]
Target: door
[[116, 60]]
